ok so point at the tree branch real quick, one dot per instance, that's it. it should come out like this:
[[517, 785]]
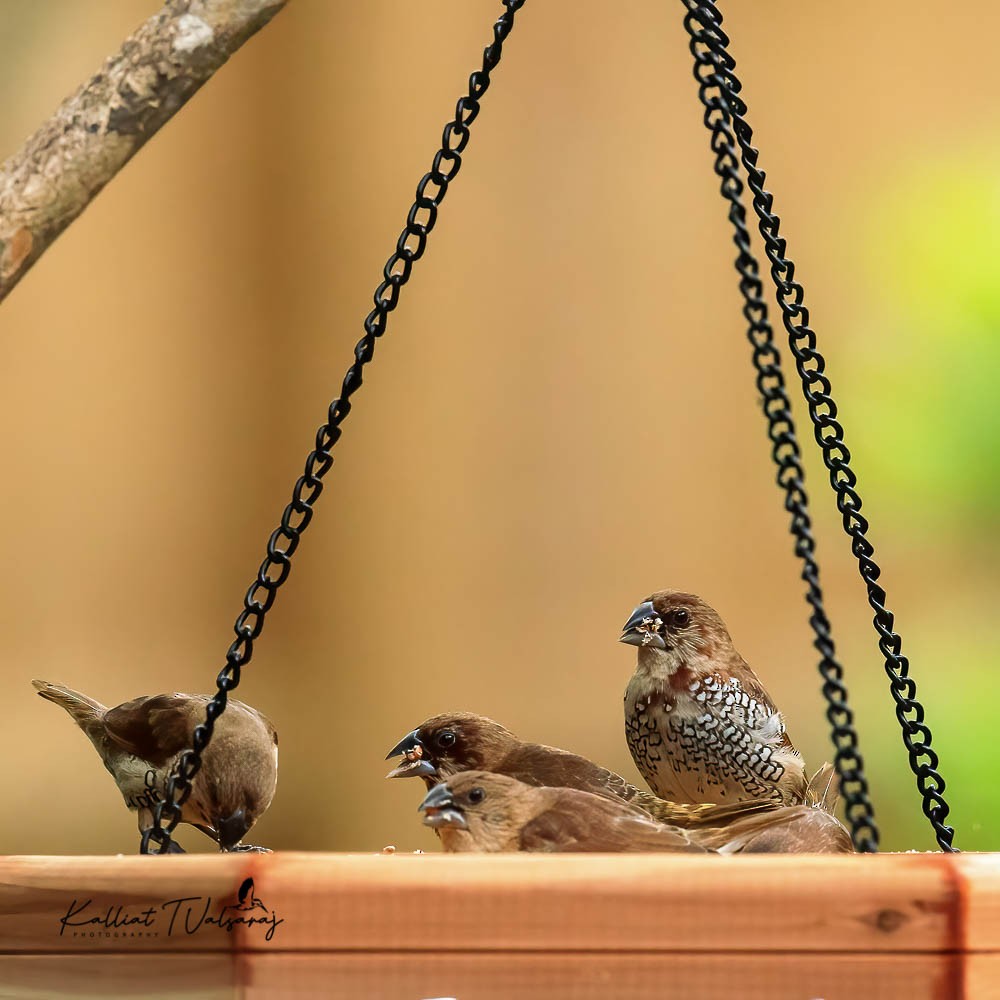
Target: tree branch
[[94, 133]]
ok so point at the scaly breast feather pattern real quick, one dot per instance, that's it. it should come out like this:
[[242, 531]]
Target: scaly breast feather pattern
[[712, 742]]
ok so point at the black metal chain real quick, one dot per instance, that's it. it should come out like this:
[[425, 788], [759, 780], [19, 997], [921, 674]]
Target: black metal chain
[[703, 21], [284, 540], [785, 451]]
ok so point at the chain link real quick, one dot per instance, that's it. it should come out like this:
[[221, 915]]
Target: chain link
[[715, 70], [298, 513], [785, 451], [725, 110]]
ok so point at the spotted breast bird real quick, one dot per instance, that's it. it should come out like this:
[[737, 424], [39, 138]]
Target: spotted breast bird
[[699, 723], [141, 741]]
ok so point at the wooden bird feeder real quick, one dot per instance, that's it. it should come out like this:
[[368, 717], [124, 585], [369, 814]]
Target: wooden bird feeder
[[502, 927], [532, 927]]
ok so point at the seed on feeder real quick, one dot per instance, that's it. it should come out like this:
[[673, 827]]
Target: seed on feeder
[[650, 627]]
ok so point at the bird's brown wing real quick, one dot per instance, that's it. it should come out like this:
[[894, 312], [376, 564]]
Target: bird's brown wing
[[154, 728], [704, 815], [797, 829], [823, 790], [639, 834], [576, 822], [543, 766]]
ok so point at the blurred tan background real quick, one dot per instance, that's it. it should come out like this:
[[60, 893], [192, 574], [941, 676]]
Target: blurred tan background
[[561, 419]]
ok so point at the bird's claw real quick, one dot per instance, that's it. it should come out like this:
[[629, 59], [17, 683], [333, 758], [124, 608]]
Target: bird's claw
[[248, 849], [174, 848]]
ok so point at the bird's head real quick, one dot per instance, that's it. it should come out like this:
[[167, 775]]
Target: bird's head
[[446, 744], [671, 628], [474, 809], [239, 774]]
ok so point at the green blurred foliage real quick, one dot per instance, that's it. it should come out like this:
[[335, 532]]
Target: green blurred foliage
[[921, 394], [924, 371]]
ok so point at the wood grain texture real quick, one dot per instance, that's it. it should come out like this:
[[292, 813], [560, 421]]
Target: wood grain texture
[[980, 889], [622, 976], [122, 977], [504, 975], [522, 903]]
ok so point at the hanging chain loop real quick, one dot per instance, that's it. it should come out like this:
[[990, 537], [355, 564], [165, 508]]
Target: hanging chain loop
[[785, 450], [716, 69], [298, 513]]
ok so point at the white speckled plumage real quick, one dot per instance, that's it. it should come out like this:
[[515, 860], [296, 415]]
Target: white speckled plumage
[[699, 723]]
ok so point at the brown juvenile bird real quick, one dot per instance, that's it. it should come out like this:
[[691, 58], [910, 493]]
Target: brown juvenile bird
[[698, 721], [448, 744], [480, 811], [141, 741]]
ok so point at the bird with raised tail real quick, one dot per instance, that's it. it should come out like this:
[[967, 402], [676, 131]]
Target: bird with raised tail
[[700, 725], [141, 741]]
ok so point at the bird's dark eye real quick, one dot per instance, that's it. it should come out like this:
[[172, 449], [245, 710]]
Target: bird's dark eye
[[476, 795], [679, 618], [445, 739]]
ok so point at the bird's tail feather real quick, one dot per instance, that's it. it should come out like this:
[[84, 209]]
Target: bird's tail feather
[[84, 710], [801, 829], [824, 789]]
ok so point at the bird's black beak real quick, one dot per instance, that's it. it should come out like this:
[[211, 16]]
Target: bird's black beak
[[232, 829], [416, 764], [643, 628], [407, 744], [440, 809]]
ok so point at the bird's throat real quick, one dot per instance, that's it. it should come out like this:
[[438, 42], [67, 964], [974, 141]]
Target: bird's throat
[[659, 665]]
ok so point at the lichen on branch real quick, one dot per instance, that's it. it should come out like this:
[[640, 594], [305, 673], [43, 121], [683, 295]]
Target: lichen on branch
[[58, 171]]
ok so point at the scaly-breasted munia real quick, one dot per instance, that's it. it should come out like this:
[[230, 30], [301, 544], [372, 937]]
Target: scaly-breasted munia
[[448, 744], [140, 742], [698, 721], [481, 811]]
